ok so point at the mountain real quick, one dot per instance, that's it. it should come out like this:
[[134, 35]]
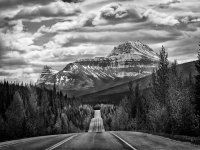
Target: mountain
[[47, 73], [128, 61], [133, 50], [115, 94]]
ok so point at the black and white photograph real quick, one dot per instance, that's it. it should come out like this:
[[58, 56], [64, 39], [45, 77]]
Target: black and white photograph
[[99, 74]]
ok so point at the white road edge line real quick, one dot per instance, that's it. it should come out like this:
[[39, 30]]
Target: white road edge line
[[62, 142], [10, 143], [130, 146]]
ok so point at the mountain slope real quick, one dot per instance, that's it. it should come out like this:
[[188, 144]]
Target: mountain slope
[[47, 73], [128, 61], [115, 94]]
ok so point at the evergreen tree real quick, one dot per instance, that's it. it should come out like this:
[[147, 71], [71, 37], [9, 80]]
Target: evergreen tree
[[197, 84], [131, 100], [161, 78], [120, 119], [65, 121], [31, 121], [138, 106], [2, 129], [15, 116]]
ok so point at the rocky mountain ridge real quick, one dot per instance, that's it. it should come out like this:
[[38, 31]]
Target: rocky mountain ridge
[[47, 73], [128, 61]]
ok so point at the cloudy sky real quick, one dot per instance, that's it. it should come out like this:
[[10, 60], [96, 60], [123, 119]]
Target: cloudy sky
[[34, 33]]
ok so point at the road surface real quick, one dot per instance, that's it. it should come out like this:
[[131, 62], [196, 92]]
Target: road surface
[[96, 138], [96, 124]]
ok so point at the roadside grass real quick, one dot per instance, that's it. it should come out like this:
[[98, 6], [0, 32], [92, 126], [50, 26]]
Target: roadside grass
[[182, 138]]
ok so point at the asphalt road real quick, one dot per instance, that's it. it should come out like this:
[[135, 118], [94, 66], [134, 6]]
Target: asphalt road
[[96, 124], [102, 141], [97, 139], [93, 141], [39, 143]]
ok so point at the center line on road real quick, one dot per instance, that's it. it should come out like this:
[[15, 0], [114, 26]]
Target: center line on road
[[62, 142]]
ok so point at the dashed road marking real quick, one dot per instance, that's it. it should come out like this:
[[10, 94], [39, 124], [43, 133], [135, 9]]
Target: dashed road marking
[[62, 142]]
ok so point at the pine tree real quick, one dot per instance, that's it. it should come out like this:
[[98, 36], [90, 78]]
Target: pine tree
[[15, 116], [174, 68], [161, 78], [197, 84], [131, 100], [31, 121], [138, 105], [2, 129], [174, 79]]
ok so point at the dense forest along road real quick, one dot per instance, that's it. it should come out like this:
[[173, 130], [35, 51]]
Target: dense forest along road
[[97, 139]]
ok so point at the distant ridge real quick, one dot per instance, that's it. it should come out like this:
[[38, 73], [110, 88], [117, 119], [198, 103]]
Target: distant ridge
[[127, 61]]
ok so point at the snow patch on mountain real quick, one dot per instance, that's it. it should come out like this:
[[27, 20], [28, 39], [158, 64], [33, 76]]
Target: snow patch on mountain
[[128, 60]]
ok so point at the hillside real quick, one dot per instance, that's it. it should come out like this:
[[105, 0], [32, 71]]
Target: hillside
[[116, 93]]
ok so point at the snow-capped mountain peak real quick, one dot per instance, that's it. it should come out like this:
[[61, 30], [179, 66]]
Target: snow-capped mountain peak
[[47, 72], [127, 61], [134, 48]]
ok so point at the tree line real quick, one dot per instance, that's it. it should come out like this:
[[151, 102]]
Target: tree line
[[28, 110], [170, 105]]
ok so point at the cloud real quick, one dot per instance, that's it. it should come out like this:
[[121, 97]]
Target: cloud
[[189, 19], [15, 37], [13, 3], [77, 23], [25, 74], [73, 39], [114, 11], [64, 31], [2, 48], [4, 4], [167, 3], [160, 18], [13, 63], [113, 14], [54, 9], [74, 1], [4, 73]]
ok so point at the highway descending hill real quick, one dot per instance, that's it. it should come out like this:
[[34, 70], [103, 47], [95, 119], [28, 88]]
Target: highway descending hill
[[96, 138]]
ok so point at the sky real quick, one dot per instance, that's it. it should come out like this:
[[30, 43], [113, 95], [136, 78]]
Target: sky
[[34, 33]]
